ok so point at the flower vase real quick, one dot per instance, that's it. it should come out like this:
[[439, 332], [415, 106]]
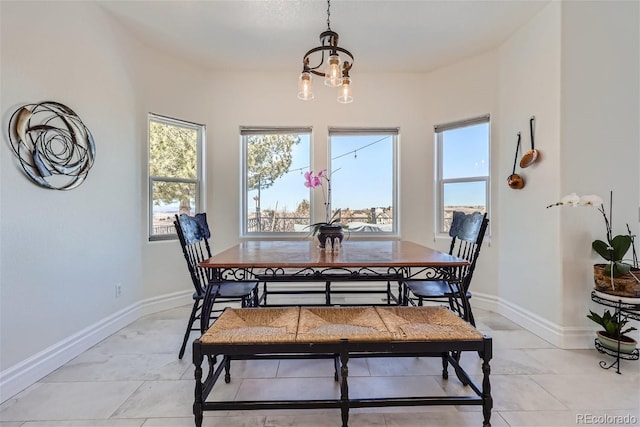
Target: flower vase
[[329, 232], [625, 285]]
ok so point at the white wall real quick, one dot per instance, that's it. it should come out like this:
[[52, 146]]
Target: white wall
[[575, 67], [529, 85], [600, 135], [64, 251], [460, 91]]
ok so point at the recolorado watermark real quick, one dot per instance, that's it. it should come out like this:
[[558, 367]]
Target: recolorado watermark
[[605, 419]]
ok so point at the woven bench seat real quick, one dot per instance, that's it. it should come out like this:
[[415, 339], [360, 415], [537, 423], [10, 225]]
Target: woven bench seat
[[341, 333], [429, 323], [261, 325], [325, 324]]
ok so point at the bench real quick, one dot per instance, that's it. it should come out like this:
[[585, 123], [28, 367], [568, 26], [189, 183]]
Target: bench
[[339, 333]]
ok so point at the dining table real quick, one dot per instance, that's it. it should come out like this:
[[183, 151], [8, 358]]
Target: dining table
[[352, 261]]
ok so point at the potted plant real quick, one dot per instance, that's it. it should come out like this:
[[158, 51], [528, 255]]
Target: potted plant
[[613, 336], [617, 276], [331, 228]]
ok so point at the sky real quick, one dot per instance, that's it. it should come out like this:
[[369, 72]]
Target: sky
[[362, 170]]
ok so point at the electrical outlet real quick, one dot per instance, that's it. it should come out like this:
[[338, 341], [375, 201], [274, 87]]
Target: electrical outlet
[[118, 290]]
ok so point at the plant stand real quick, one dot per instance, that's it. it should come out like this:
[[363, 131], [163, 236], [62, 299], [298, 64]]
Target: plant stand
[[629, 308]]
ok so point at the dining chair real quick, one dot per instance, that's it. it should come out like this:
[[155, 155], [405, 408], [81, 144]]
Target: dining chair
[[467, 232], [193, 233]]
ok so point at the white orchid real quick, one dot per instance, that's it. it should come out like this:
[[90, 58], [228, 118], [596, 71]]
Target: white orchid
[[615, 248], [570, 200], [591, 200]]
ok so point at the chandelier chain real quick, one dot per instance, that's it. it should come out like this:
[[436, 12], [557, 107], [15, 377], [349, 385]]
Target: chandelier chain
[[329, 15]]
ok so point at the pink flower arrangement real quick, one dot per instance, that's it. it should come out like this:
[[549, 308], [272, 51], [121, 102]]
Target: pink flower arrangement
[[315, 181]]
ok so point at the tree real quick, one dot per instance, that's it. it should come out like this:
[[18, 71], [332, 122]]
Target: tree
[[303, 209], [173, 154], [268, 158]]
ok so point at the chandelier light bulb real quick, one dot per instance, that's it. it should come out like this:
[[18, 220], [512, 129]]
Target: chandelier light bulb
[[333, 73], [345, 96], [305, 86]]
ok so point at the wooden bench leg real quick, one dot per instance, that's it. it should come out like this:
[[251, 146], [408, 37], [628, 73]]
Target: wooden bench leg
[[486, 393], [344, 387], [227, 369], [445, 366], [197, 403]]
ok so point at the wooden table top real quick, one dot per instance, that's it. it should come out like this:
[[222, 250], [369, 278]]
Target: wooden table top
[[305, 253]]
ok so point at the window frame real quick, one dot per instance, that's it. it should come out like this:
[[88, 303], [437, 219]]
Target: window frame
[[200, 130], [246, 131], [440, 182], [394, 133]]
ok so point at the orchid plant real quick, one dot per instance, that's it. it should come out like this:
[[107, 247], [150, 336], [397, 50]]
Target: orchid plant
[[319, 180], [615, 248]]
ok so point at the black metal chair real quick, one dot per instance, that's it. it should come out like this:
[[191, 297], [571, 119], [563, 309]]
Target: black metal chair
[[193, 233], [467, 232]]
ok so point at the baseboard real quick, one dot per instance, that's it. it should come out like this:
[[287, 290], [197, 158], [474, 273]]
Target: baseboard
[[20, 376], [559, 336]]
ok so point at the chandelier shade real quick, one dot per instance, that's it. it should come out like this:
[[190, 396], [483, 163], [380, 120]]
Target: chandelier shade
[[345, 91], [337, 62], [305, 87]]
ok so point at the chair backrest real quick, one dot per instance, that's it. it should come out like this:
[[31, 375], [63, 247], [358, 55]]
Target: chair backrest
[[193, 233], [467, 232]]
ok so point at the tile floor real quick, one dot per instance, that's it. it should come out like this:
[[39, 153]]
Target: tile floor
[[134, 378]]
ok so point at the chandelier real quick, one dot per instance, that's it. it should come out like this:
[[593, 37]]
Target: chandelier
[[336, 60]]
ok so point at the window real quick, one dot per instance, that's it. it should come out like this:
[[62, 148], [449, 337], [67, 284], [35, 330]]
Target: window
[[175, 172], [275, 198], [364, 179], [462, 168]]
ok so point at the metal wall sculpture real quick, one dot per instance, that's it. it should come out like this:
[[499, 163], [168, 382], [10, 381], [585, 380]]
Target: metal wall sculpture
[[54, 147]]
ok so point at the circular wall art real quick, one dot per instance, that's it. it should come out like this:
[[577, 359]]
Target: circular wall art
[[54, 147]]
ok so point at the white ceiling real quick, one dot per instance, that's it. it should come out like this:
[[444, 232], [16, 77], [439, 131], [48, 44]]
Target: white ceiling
[[273, 35]]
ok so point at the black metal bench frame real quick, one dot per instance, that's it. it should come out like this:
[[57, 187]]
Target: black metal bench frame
[[341, 351]]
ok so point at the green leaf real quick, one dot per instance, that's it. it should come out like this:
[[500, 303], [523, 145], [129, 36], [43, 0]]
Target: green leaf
[[595, 317], [602, 249], [621, 245]]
